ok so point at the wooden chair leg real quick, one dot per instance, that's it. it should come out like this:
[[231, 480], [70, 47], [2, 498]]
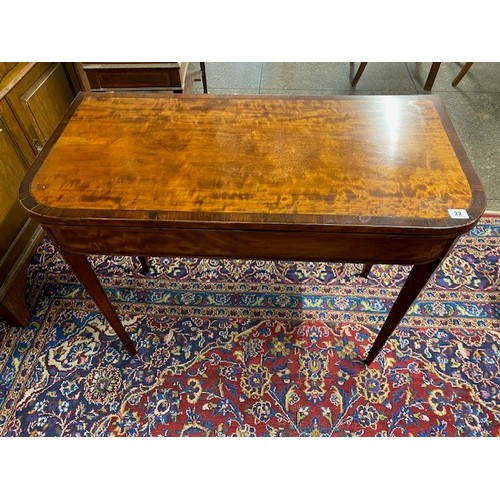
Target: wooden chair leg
[[463, 72], [432, 75], [204, 78], [358, 74]]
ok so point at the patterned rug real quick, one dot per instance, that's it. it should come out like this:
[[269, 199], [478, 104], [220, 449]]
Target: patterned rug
[[255, 348]]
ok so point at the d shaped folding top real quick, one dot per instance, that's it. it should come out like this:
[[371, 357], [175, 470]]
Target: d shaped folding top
[[366, 179]]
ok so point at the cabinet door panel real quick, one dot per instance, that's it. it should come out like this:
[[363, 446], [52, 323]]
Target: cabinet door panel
[[5, 67], [40, 100], [12, 169]]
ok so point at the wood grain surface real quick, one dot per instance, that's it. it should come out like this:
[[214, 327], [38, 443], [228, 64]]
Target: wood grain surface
[[255, 158]]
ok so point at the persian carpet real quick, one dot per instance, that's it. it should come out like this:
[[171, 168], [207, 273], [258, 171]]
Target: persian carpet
[[256, 348]]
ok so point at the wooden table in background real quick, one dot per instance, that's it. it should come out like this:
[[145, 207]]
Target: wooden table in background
[[366, 179]]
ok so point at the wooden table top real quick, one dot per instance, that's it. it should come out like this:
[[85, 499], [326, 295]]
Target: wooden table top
[[392, 161]]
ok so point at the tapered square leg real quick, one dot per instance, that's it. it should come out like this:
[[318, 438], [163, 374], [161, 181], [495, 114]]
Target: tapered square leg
[[144, 264], [415, 282], [83, 270], [366, 270]]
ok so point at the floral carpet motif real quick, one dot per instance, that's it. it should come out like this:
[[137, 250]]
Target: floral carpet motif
[[255, 348]]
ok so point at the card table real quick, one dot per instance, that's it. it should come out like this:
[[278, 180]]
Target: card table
[[361, 179]]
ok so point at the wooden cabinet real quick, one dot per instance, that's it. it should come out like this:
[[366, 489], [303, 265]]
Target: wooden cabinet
[[136, 76], [5, 67], [154, 76], [40, 99], [16, 156], [33, 99]]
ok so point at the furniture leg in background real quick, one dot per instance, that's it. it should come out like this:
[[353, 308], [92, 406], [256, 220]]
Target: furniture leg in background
[[196, 75], [466, 67], [432, 76], [204, 78], [427, 86], [358, 74]]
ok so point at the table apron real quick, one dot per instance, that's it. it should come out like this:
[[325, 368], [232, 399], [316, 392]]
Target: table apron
[[251, 244]]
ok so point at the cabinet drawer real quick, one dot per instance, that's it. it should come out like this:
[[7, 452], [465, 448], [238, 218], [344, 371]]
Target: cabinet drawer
[[134, 76]]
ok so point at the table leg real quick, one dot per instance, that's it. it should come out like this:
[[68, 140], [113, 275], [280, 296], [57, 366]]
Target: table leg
[[366, 270], [89, 280], [144, 264], [417, 279]]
